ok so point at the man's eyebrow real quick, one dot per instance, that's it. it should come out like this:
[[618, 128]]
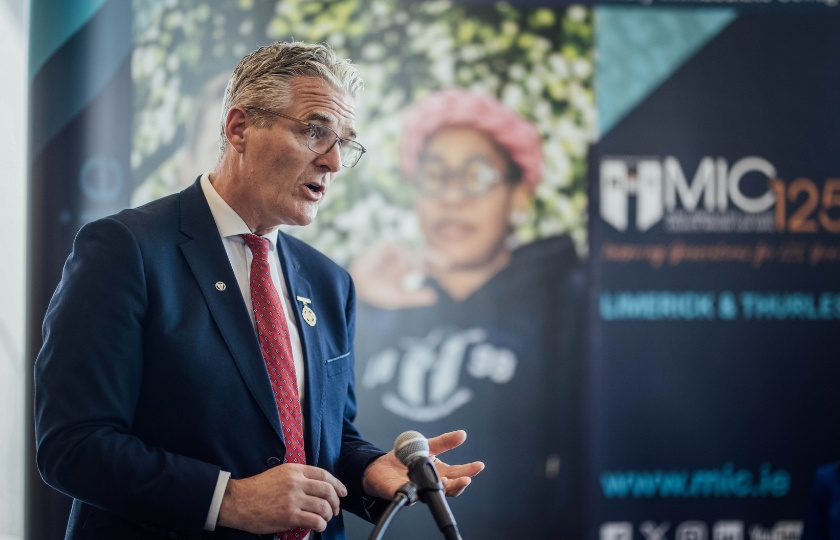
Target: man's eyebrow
[[318, 118]]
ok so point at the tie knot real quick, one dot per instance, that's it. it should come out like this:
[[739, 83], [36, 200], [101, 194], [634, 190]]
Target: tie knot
[[257, 244]]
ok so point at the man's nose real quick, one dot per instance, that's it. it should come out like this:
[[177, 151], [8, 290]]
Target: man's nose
[[332, 159]]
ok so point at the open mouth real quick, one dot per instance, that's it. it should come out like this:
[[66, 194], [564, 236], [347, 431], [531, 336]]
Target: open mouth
[[315, 188]]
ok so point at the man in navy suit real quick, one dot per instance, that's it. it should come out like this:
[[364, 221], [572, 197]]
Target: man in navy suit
[[154, 408]]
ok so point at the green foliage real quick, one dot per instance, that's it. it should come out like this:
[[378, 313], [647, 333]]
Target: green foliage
[[537, 60]]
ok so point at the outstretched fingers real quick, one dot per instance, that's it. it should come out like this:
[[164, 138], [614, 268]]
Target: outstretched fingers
[[455, 478], [442, 443], [456, 486]]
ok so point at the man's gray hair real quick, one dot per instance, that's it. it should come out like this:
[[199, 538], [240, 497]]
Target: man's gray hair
[[263, 78]]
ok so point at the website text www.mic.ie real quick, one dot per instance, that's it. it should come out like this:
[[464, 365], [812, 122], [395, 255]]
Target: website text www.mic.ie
[[723, 482]]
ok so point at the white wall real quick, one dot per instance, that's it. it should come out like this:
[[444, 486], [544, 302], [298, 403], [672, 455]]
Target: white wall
[[13, 137]]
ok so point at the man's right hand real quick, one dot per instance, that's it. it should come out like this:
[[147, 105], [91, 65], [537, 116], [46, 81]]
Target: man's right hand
[[282, 498]]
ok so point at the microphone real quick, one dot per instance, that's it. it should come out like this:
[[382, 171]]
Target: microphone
[[412, 449]]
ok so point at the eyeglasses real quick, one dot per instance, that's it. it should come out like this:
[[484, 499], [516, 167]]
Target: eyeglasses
[[476, 177], [322, 139]]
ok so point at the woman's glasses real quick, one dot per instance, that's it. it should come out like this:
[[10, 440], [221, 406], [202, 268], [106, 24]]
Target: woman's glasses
[[473, 179]]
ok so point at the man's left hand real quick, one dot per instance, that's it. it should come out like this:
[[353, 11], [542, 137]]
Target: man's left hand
[[386, 475]]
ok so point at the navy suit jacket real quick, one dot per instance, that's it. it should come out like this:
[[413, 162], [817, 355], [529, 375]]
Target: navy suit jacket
[[150, 380]]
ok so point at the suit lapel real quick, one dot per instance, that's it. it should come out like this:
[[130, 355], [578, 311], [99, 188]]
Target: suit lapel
[[209, 262], [298, 285]]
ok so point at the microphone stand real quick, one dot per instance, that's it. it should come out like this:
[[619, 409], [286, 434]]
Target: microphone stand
[[412, 450], [424, 474], [406, 495]]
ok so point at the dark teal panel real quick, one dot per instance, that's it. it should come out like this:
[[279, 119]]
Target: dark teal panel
[[53, 23], [79, 147], [639, 47], [78, 70]]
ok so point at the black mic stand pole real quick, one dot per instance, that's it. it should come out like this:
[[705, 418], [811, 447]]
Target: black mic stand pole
[[406, 495], [424, 474]]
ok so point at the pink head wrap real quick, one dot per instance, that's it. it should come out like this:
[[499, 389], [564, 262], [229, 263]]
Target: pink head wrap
[[459, 107]]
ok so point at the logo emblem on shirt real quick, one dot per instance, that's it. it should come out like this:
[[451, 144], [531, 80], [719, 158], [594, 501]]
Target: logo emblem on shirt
[[431, 375]]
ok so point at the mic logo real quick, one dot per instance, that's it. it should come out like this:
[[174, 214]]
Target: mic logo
[[659, 184]]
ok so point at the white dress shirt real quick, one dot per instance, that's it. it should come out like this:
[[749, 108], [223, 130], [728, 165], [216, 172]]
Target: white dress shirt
[[231, 226]]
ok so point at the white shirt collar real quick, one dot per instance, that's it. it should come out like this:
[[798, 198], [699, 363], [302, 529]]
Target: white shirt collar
[[229, 223]]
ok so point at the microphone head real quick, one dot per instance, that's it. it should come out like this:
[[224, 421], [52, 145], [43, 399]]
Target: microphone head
[[409, 446]]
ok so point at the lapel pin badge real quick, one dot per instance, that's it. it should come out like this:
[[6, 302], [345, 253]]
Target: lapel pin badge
[[220, 286], [308, 315]]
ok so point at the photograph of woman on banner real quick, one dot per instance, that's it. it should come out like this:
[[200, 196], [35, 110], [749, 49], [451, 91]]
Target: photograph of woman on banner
[[469, 330]]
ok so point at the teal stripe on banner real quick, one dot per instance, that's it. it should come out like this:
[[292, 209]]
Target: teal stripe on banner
[[80, 63], [54, 22], [640, 47]]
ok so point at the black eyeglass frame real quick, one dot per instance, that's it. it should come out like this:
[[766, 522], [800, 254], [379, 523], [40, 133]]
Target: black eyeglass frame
[[312, 127]]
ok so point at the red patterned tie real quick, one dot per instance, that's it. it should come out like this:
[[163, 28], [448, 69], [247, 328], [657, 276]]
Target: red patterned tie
[[276, 349]]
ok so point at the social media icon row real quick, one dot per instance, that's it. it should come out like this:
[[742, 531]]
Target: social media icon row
[[698, 530]]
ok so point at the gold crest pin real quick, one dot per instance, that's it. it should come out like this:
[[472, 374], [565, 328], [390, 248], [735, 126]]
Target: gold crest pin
[[308, 315]]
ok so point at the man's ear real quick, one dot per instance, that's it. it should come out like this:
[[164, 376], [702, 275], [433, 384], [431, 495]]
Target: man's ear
[[236, 123]]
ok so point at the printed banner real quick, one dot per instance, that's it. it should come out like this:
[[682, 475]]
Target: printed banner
[[602, 241], [714, 256], [461, 226], [79, 145]]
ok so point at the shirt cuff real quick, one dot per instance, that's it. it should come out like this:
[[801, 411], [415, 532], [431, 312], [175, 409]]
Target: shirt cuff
[[216, 503]]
